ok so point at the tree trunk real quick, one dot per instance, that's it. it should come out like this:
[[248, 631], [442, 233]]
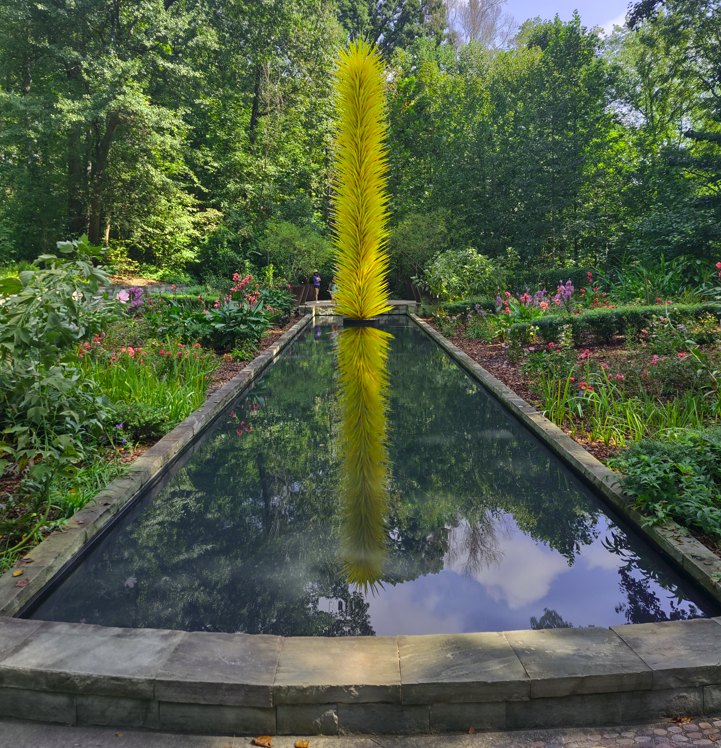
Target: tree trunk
[[255, 111], [76, 213], [102, 149]]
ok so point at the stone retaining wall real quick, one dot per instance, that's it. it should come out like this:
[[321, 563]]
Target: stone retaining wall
[[240, 683]]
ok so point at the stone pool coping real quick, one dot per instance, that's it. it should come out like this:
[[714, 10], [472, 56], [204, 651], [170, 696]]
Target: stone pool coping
[[685, 552], [258, 684]]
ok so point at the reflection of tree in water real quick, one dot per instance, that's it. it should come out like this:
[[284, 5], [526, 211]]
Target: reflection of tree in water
[[247, 536], [550, 619], [475, 544], [643, 604]]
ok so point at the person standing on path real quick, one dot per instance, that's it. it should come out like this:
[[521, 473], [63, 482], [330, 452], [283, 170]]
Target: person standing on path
[[316, 284]]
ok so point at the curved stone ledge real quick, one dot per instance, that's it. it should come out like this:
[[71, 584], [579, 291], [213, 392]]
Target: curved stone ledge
[[45, 560], [243, 684], [222, 683]]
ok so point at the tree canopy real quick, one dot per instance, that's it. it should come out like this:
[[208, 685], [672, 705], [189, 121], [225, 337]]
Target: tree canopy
[[178, 131]]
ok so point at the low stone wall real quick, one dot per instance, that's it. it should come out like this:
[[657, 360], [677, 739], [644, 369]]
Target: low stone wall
[[239, 683], [327, 308]]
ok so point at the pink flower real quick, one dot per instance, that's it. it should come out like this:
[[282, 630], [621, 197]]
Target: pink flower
[[197, 345], [681, 355], [620, 378], [232, 414], [718, 265], [123, 297], [161, 352]]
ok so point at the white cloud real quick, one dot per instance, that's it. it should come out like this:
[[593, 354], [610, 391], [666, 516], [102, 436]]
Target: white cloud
[[619, 20], [524, 570]]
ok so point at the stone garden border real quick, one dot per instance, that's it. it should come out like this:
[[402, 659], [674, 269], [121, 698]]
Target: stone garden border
[[244, 684]]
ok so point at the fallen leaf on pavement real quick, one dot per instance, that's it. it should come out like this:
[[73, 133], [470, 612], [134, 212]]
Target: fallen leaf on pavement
[[22, 583], [119, 734], [131, 582], [17, 573], [301, 744], [471, 731], [265, 741]]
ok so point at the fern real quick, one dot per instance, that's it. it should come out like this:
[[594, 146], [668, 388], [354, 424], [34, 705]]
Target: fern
[[360, 204]]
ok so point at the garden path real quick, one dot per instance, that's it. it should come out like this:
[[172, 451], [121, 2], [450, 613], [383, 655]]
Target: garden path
[[667, 734]]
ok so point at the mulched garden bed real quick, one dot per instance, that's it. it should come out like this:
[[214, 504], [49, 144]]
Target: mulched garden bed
[[493, 359], [229, 369]]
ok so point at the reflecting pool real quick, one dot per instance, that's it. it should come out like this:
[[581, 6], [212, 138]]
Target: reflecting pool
[[464, 521]]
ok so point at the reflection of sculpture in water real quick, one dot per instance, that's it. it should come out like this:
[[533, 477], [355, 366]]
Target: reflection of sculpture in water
[[362, 357]]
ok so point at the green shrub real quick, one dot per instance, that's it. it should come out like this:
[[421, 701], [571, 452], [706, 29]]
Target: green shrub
[[604, 323], [466, 306], [678, 479], [548, 278], [141, 422], [296, 251], [461, 273]]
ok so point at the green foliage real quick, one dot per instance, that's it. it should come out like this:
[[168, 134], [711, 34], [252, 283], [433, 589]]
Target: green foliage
[[224, 325], [168, 378], [50, 416], [648, 281], [414, 242], [606, 322], [297, 251], [459, 274], [676, 479], [546, 278]]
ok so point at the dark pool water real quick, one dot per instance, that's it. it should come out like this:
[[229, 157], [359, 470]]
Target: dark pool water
[[486, 530]]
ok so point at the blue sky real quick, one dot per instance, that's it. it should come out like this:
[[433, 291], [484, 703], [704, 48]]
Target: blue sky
[[593, 12]]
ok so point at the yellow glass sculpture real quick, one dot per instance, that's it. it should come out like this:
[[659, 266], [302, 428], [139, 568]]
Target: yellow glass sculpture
[[362, 356], [360, 204]]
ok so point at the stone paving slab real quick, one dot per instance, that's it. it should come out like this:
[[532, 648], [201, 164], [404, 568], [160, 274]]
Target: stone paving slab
[[658, 734], [680, 653], [13, 633], [226, 669], [78, 658], [563, 662], [314, 670], [461, 668]]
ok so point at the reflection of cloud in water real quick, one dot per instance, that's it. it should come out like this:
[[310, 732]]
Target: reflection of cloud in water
[[521, 571], [595, 556], [407, 609]]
